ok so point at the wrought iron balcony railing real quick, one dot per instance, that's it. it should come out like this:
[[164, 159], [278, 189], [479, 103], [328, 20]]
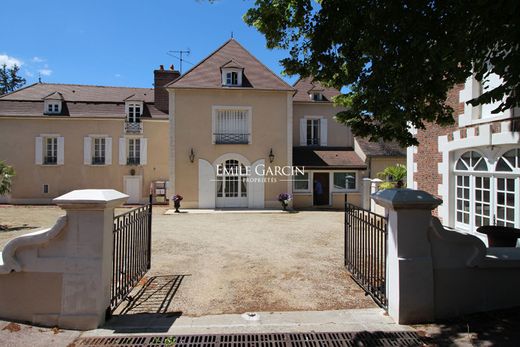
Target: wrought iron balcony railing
[[98, 161], [133, 161], [226, 138], [50, 160], [133, 127]]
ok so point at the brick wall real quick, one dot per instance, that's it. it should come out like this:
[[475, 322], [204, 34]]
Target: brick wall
[[428, 157], [161, 78]]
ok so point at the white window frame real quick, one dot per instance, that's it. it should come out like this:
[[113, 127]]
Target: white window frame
[[131, 148], [102, 149], [308, 189], [323, 131], [226, 71], [55, 107], [134, 117], [312, 120], [356, 180], [41, 149], [493, 175], [249, 119]]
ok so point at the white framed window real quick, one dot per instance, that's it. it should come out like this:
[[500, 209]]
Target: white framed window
[[313, 131], [133, 150], [97, 150], [344, 181], [134, 112], [49, 149], [486, 194], [52, 107], [301, 182], [231, 77], [231, 180], [99, 153], [316, 96], [232, 125]]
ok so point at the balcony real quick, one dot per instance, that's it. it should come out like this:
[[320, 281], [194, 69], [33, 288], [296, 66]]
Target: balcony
[[98, 161], [133, 128], [50, 160], [227, 138], [133, 161]]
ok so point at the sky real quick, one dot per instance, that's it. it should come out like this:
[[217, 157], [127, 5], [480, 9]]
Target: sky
[[120, 43]]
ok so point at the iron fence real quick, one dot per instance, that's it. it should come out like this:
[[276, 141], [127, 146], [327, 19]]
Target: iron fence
[[132, 251], [365, 250], [227, 138]]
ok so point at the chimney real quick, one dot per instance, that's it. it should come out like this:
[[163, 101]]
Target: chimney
[[161, 78]]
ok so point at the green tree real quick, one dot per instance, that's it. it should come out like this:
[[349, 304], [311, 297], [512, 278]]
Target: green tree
[[9, 79], [6, 178], [394, 176], [397, 59]]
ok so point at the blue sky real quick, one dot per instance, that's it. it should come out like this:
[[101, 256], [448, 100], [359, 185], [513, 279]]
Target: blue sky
[[120, 43]]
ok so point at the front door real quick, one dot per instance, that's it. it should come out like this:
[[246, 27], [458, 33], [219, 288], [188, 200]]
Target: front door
[[321, 189], [132, 186], [231, 184]]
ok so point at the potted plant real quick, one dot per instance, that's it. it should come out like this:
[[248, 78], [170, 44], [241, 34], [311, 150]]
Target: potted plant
[[177, 202], [284, 199]]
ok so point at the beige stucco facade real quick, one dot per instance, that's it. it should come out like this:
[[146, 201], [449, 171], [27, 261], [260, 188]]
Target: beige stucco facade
[[191, 127], [17, 148], [338, 135]]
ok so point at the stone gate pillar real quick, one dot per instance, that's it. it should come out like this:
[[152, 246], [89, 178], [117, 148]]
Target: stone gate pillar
[[87, 246], [409, 281]]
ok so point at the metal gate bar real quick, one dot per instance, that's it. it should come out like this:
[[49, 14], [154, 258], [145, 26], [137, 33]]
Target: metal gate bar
[[365, 250], [132, 251]]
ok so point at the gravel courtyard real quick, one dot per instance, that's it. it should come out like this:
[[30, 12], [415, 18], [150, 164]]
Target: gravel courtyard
[[235, 263]]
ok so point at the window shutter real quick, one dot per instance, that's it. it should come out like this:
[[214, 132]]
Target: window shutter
[[122, 151], [303, 132], [38, 151], [143, 159], [108, 151], [323, 131], [61, 150], [87, 147]]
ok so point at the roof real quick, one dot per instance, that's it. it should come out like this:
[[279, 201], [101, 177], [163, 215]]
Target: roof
[[380, 148], [327, 157], [305, 85], [78, 101], [207, 73]]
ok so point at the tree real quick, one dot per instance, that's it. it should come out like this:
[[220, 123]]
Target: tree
[[393, 175], [397, 59], [9, 79], [6, 176]]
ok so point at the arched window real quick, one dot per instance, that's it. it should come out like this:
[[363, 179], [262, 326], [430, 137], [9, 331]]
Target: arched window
[[485, 194], [231, 179]]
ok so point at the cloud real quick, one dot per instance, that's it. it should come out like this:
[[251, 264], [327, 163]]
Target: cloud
[[9, 61], [29, 73], [45, 72], [37, 60], [117, 75]]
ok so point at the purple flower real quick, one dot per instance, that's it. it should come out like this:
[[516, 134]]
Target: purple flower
[[177, 198], [284, 197]]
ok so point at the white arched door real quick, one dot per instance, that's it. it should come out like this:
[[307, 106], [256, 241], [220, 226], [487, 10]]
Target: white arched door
[[232, 186]]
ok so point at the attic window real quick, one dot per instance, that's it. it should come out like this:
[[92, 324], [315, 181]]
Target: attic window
[[316, 96], [232, 77], [52, 107], [134, 112]]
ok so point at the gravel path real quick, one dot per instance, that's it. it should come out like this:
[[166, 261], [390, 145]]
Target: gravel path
[[234, 263]]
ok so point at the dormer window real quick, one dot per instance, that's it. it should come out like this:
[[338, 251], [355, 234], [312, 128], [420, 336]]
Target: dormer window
[[52, 107], [232, 73], [316, 96], [134, 110], [232, 78]]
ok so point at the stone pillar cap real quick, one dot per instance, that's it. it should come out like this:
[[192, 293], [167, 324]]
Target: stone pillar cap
[[102, 197], [406, 199]]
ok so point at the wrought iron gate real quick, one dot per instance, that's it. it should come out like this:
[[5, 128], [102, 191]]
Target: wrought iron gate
[[365, 250], [132, 251]]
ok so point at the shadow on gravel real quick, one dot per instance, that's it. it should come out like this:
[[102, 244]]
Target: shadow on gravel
[[146, 309]]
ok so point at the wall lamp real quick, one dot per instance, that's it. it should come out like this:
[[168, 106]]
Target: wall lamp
[[271, 156], [192, 155]]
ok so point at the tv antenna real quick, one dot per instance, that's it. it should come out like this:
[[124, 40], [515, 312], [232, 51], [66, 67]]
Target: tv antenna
[[180, 53]]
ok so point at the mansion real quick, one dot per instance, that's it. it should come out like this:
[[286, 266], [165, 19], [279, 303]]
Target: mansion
[[228, 111]]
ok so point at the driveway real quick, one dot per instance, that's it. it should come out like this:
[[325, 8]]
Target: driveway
[[234, 263]]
